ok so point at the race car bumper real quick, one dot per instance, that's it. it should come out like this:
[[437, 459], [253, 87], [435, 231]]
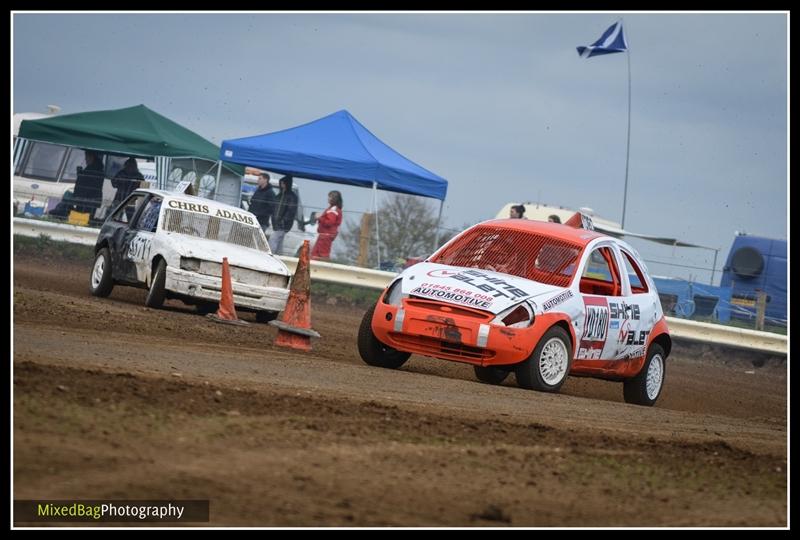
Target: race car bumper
[[205, 287], [453, 333]]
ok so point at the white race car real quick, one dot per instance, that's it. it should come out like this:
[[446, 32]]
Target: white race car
[[173, 245]]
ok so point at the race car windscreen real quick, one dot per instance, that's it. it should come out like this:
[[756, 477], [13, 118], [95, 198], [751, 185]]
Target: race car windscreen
[[523, 254], [214, 228]]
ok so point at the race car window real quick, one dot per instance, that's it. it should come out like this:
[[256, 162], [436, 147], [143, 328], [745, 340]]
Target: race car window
[[127, 210], [638, 282], [213, 228], [600, 275], [519, 253], [148, 221]]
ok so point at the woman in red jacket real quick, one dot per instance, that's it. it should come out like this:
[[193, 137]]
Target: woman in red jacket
[[328, 226]]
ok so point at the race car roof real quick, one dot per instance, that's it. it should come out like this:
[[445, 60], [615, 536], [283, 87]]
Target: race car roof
[[172, 195], [559, 231]]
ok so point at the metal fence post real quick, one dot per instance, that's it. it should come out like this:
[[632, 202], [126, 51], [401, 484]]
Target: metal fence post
[[364, 238], [761, 309]]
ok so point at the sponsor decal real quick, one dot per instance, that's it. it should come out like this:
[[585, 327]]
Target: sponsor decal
[[595, 328], [203, 209], [441, 273], [191, 207], [558, 299], [227, 214], [624, 329], [613, 324], [457, 296], [635, 353], [641, 340], [623, 310], [139, 248], [589, 353], [497, 287], [596, 324]]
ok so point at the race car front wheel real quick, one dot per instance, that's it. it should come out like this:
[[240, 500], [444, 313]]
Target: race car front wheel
[[155, 296], [375, 353], [645, 388], [547, 367], [101, 282], [490, 374]]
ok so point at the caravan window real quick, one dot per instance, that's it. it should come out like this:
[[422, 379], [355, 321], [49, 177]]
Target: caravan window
[[76, 158], [44, 161]]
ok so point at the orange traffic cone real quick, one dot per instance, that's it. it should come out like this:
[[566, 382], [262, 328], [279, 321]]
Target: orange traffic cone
[[227, 311], [294, 330]]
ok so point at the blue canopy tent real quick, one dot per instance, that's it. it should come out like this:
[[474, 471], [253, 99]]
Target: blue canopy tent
[[336, 148]]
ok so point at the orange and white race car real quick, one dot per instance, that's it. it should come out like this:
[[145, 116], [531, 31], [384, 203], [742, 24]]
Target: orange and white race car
[[543, 300]]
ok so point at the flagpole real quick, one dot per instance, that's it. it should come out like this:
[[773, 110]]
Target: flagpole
[[628, 149]]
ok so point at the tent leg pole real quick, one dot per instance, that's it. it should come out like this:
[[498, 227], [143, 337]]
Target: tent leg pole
[[377, 225], [219, 174], [714, 267], [438, 224]]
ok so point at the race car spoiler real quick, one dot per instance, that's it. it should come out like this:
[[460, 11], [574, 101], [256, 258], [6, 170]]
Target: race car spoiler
[[580, 221]]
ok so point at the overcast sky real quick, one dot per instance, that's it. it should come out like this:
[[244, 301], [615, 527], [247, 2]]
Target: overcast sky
[[500, 105]]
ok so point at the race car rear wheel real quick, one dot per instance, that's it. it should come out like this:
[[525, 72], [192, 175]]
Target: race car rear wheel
[[490, 374], [372, 351], [266, 316], [547, 367], [204, 308], [645, 388], [156, 294], [101, 282]]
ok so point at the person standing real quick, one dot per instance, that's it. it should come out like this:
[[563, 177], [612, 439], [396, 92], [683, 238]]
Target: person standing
[[284, 215], [88, 192], [328, 227], [126, 181], [262, 204]]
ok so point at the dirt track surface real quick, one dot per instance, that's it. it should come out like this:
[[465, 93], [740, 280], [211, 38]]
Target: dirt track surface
[[115, 400]]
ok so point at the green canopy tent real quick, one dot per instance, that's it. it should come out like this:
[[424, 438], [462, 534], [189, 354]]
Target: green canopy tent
[[179, 153]]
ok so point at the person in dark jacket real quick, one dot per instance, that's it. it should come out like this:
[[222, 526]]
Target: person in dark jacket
[[262, 204], [126, 181], [285, 214], [88, 192]]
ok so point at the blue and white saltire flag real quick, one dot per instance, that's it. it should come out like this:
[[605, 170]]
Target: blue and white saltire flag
[[612, 41]]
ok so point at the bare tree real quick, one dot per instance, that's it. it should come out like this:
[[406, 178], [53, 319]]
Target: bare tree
[[407, 229]]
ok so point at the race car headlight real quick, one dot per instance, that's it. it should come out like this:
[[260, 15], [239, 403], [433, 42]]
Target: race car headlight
[[517, 316], [394, 295], [190, 264]]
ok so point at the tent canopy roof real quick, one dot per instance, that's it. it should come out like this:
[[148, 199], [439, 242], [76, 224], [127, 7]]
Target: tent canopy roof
[[137, 131], [335, 148]]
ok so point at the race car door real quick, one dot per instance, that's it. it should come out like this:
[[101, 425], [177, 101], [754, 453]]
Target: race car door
[[644, 307], [138, 240], [120, 234], [606, 315]]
